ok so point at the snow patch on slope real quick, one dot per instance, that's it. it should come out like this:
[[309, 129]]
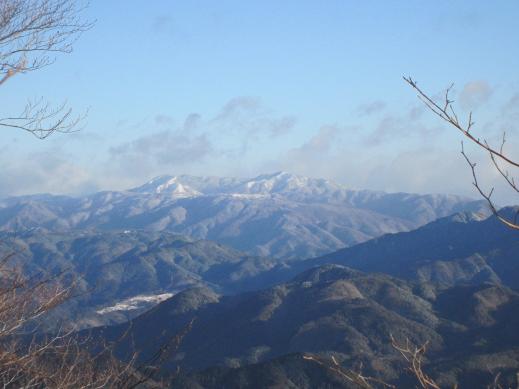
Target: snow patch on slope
[[135, 302]]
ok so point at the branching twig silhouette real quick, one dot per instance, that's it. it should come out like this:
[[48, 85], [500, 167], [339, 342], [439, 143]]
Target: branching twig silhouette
[[445, 110], [32, 32], [349, 375], [414, 356]]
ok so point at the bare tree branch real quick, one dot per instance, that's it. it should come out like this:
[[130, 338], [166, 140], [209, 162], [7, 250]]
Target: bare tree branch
[[42, 120], [351, 376], [414, 357], [448, 114], [498, 156], [62, 360], [32, 32]]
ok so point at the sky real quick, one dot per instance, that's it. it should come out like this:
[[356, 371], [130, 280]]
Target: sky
[[234, 88]]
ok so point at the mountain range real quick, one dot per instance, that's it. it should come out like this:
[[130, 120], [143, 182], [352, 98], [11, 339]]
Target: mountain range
[[332, 311], [278, 215], [348, 270], [117, 275], [461, 248], [451, 284]]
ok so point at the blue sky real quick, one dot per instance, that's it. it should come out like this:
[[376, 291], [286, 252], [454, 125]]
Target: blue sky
[[242, 88]]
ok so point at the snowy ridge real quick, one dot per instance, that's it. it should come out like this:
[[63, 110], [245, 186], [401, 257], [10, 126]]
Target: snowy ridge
[[281, 215], [136, 302], [265, 184], [169, 185]]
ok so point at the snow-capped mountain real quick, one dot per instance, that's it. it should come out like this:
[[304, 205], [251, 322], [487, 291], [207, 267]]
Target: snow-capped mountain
[[280, 215], [170, 185], [281, 183]]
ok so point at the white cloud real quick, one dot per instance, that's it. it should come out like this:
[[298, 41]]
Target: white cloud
[[425, 169], [44, 172], [246, 116], [512, 105], [474, 94], [371, 108], [159, 153], [397, 127], [395, 151]]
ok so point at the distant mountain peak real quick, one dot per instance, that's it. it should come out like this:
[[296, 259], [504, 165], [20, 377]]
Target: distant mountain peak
[[277, 214], [171, 185], [280, 182]]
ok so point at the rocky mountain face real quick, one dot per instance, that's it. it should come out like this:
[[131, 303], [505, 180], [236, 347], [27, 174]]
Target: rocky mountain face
[[279, 215], [330, 310]]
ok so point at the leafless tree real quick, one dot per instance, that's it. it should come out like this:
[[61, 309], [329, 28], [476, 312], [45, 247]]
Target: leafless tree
[[500, 159], [32, 33], [356, 378], [414, 356], [62, 360], [502, 162]]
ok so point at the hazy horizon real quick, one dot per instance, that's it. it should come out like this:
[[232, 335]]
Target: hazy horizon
[[243, 177], [239, 90]]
